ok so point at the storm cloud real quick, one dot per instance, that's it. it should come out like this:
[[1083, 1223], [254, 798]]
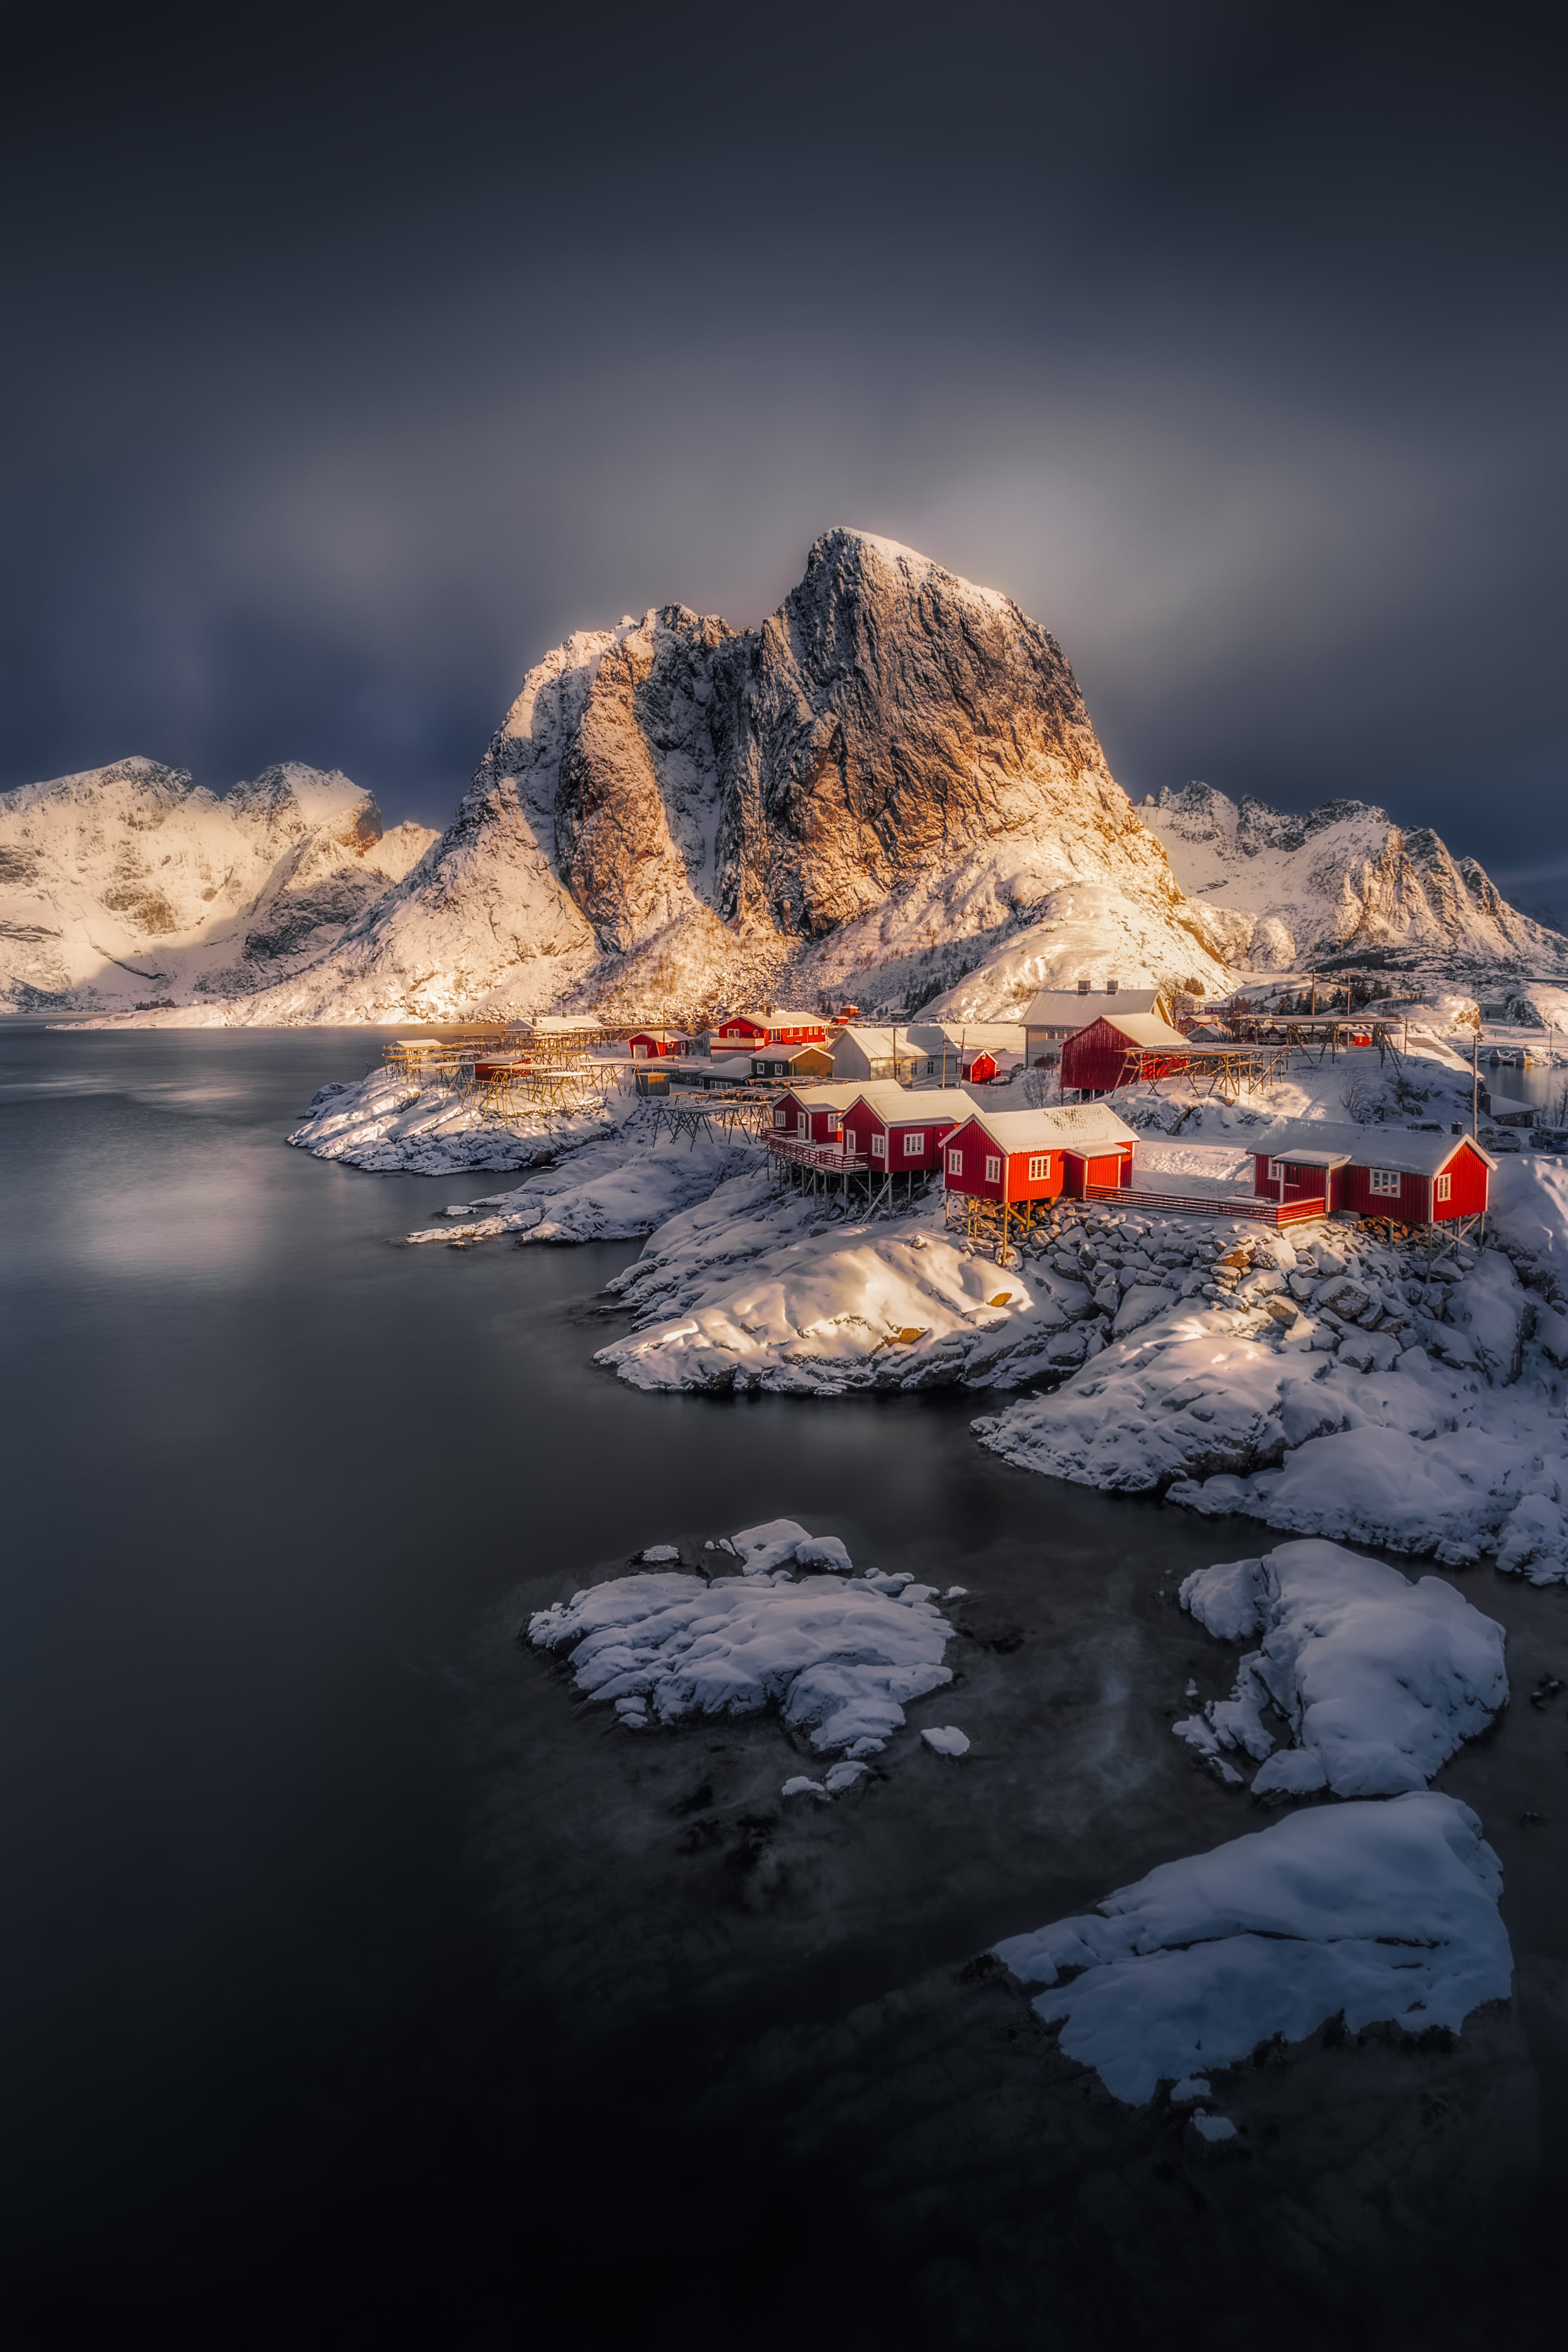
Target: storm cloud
[[359, 355]]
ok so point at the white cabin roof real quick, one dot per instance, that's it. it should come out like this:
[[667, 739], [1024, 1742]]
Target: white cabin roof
[[1145, 1029], [1065, 1008], [897, 1106], [1075, 1127], [1319, 1145]]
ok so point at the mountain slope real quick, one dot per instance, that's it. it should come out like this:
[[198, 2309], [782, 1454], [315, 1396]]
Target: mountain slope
[[891, 786], [131, 883], [1342, 879]]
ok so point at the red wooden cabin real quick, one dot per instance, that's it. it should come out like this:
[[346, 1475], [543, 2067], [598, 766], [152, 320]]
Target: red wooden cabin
[[812, 1114], [745, 1032], [1037, 1155], [902, 1130], [1398, 1173], [658, 1045], [1119, 1049]]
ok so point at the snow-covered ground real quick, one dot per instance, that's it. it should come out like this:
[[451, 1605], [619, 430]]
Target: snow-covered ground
[[781, 1621], [748, 1290], [1372, 1911], [610, 1187], [1374, 1680], [1355, 1395], [383, 1123]]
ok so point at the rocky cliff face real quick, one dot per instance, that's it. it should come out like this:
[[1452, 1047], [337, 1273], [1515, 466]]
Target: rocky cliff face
[[132, 884], [892, 786], [1342, 879]]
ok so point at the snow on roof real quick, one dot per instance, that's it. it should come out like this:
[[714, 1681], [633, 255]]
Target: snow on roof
[[780, 1017], [1145, 1029], [791, 1050], [898, 1106], [1401, 1147], [1053, 1006], [974, 1036], [880, 1040], [838, 1098], [1074, 1127]]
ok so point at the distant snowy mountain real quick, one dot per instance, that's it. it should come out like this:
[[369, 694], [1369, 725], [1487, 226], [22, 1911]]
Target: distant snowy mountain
[[892, 788], [131, 884], [1283, 890]]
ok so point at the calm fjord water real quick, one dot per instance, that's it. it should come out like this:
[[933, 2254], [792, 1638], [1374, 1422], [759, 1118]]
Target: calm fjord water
[[352, 1971]]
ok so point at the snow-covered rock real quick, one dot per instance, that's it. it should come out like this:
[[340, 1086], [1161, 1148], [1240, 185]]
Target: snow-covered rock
[[1287, 889], [749, 1291], [1376, 1681], [838, 1656], [382, 1123], [131, 884], [1372, 1911]]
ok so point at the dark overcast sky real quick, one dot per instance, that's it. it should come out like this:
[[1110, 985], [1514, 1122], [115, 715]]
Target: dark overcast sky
[[356, 355]]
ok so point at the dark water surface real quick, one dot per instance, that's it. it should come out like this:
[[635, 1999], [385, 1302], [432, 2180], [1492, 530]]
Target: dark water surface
[[361, 1986]]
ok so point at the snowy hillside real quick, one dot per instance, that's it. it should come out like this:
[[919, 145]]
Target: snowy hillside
[[890, 787], [1282, 889], [130, 883]]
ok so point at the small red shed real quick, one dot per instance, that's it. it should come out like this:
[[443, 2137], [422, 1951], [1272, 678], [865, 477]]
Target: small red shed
[[812, 1114], [658, 1045], [900, 1129], [1037, 1155], [1119, 1048], [1406, 1174]]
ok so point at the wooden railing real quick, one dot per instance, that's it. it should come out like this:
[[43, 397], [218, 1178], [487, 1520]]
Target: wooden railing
[[815, 1155], [1210, 1205]]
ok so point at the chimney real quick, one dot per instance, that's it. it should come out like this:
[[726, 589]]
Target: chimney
[[1083, 988], [1111, 988]]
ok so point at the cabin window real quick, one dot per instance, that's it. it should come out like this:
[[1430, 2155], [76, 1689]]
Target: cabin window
[[878, 1146], [955, 1163], [1445, 1187], [1039, 1167], [835, 1124], [1276, 1171], [930, 1069], [993, 1169], [781, 1116], [1385, 1180], [915, 1144]]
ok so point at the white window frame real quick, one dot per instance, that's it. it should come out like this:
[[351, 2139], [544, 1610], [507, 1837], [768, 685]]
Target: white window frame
[[834, 1123], [1386, 1182], [993, 1168], [1276, 1171], [1039, 1167], [914, 1143], [878, 1146], [781, 1116], [1443, 1188], [955, 1163]]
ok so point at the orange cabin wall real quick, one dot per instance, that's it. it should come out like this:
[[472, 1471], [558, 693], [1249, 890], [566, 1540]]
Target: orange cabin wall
[[1098, 1171]]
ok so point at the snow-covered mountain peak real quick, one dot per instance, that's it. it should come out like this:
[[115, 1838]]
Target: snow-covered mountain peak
[[1339, 879], [130, 883]]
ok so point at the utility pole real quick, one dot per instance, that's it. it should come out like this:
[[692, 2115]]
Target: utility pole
[[1476, 1081]]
